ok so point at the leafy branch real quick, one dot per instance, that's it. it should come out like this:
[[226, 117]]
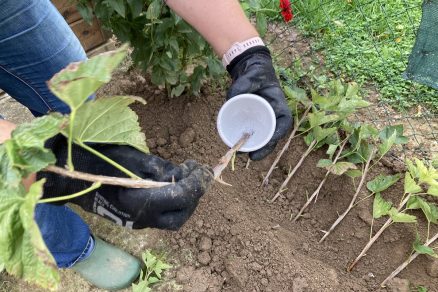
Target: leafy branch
[[418, 177]]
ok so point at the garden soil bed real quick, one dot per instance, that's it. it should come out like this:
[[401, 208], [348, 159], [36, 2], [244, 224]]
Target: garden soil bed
[[236, 240]]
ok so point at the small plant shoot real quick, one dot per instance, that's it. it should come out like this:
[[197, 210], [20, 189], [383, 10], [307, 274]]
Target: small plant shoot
[[152, 273]]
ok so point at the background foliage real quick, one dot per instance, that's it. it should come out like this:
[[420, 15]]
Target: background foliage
[[164, 45], [368, 42]]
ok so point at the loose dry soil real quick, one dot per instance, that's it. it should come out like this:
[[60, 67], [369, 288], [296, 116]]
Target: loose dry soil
[[236, 240]]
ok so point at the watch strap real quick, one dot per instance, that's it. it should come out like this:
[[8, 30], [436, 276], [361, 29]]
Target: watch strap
[[240, 47]]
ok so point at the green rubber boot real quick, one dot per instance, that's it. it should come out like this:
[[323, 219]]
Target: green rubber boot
[[109, 267]]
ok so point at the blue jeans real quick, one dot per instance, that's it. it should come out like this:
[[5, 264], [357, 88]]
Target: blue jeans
[[36, 43]]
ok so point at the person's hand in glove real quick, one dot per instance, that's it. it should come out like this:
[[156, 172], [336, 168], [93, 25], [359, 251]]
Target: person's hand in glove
[[167, 207], [252, 72]]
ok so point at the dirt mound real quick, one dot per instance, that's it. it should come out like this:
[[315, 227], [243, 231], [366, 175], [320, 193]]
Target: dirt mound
[[237, 241]]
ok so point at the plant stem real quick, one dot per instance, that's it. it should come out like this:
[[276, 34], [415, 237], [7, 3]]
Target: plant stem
[[318, 189], [363, 199], [70, 140], [353, 200], [107, 180], [264, 10], [376, 236], [94, 186], [110, 161], [407, 262], [285, 147], [291, 174], [224, 160]]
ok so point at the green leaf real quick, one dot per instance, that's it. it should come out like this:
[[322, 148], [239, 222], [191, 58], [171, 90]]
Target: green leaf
[[433, 190], [25, 151], [78, 81], [85, 11], [178, 90], [297, 94], [22, 249], [153, 280], [382, 182], [322, 133], [340, 168], [422, 249], [142, 286], [401, 217], [308, 139], [214, 66], [429, 209], [118, 6], [28, 160], [367, 131], [331, 150], [320, 118], [324, 163], [353, 173], [387, 144], [261, 23], [34, 134], [10, 177], [413, 203], [154, 10], [426, 174], [380, 206], [96, 123], [136, 7], [388, 131], [412, 168], [411, 186], [154, 268]]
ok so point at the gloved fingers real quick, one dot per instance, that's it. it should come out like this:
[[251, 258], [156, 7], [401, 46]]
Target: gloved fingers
[[240, 87], [186, 192], [283, 125], [180, 172], [263, 152], [173, 220], [155, 168]]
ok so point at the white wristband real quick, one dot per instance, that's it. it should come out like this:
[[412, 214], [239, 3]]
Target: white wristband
[[240, 47]]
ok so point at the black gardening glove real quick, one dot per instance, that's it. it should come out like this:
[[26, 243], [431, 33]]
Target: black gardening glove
[[252, 72], [167, 207]]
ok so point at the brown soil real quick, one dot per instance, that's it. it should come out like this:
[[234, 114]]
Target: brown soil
[[237, 241]]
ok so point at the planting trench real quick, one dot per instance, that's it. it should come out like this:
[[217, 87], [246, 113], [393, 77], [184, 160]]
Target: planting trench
[[236, 240]]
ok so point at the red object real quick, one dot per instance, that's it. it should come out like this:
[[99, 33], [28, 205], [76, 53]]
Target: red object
[[286, 10]]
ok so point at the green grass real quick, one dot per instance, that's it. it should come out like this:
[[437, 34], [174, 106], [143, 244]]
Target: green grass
[[368, 42]]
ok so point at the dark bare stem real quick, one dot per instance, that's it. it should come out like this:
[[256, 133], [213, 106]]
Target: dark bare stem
[[353, 200], [316, 192], [292, 173], [107, 180], [376, 236], [224, 160], [285, 147], [407, 262]]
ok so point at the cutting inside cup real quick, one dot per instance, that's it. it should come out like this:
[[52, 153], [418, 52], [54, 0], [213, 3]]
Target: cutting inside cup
[[246, 113]]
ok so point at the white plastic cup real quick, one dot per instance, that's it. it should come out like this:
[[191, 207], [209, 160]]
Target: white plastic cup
[[246, 113]]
